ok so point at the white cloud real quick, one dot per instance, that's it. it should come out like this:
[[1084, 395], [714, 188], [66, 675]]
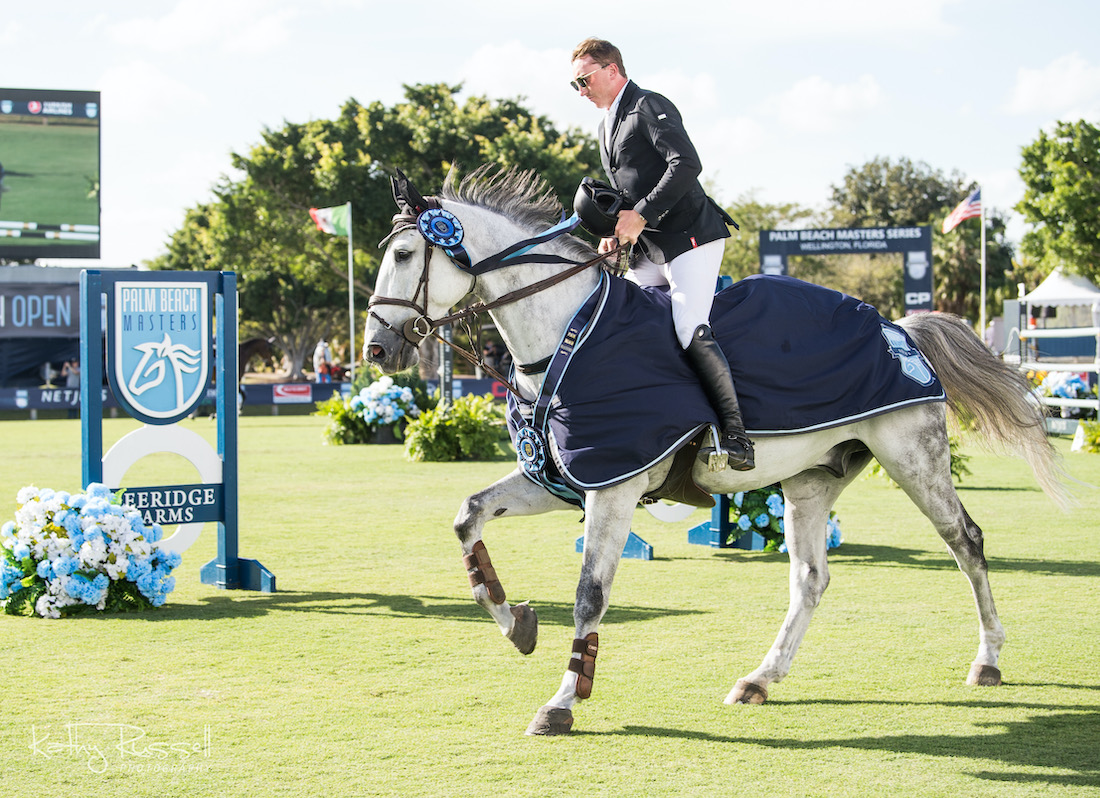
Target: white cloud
[[138, 91], [726, 147], [262, 34], [151, 172], [145, 196], [816, 104], [1063, 85], [10, 32], [698, 93], [239, 26], [511, 69], [1001, 190], [841, 19]]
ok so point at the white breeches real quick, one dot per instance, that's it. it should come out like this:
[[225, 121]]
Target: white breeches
[[691, 278]]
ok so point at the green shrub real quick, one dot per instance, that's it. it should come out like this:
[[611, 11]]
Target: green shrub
[[344, 425], [469, 428], [1091, 436]]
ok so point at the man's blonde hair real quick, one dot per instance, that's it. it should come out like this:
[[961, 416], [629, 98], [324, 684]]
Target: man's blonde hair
[[601, 51]]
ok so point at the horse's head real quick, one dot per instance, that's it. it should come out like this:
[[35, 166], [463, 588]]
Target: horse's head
[[413, 287], [488, 221]]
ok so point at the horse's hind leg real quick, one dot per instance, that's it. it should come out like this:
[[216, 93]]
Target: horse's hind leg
[[925, 474], [808, 498], [513, 495]]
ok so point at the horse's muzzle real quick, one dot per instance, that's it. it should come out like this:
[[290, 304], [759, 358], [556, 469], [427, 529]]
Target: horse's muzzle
[[389, 351]]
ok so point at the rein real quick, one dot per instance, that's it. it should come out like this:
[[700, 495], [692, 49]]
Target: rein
[[415, 330]]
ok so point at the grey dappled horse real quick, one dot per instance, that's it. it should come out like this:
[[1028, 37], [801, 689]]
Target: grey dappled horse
[[418, 284]]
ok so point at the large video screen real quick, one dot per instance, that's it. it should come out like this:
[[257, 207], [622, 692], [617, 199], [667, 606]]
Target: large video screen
[[49, 174]]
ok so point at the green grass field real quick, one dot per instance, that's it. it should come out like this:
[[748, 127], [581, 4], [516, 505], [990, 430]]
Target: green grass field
[[372, 672]]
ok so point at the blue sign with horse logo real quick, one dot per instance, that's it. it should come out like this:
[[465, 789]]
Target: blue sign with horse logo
[[159, 347]]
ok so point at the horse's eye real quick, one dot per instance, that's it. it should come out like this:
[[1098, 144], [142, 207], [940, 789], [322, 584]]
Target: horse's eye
[[402, 255]]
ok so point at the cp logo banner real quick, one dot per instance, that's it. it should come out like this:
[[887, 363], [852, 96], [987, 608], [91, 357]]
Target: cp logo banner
[[159, 352]]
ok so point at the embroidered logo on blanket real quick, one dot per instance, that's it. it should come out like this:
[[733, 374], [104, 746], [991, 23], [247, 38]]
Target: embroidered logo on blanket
[[911, 360]]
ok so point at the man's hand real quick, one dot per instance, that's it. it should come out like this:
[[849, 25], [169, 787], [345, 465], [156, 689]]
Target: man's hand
[[607, 244], [630, 226]]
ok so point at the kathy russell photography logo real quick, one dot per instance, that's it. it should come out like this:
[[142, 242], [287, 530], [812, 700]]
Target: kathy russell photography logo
[[102, 746]]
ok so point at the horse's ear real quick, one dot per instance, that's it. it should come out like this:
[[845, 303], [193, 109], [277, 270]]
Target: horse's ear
[[408, 199]]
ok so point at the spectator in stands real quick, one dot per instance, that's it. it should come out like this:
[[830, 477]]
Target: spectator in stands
[[71, 372]]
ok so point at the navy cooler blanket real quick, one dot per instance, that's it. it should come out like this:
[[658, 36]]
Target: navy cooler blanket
[[803, 357]]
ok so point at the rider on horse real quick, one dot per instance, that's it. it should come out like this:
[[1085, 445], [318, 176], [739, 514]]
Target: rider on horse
[[681, 232]]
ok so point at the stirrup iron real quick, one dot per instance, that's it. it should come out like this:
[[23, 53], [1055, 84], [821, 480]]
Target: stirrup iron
[[716, 457]]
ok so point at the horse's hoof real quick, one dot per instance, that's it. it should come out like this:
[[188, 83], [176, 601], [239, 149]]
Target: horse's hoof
[[550, 721], [746, 692], [984, 676], [525, 629]]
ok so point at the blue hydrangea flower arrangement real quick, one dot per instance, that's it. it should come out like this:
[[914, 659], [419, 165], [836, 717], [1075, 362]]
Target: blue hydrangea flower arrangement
[[1068, 385], [1065, 385], [761, 510], [378, 413], [382, 403], [67, 553]]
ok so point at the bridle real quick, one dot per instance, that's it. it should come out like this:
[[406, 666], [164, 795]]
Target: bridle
[[442, 230]]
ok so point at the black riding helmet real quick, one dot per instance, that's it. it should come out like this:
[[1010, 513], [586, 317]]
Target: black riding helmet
[[598, 205]]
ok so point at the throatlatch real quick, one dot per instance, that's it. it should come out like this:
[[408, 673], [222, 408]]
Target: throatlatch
[[585, 667], [481, 572]]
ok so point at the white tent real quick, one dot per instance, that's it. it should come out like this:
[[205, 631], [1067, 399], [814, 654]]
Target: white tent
[[1063, 289]]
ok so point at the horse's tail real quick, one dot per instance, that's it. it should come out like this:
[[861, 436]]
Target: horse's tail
[[989, 395]]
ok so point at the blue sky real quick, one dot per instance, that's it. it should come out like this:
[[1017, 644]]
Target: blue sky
[[780, 97]]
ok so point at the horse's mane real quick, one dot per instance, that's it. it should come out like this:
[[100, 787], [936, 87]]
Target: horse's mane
[[521, 195]]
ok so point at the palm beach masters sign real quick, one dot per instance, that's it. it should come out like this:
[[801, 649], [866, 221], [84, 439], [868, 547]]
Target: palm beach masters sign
[[159, 347]]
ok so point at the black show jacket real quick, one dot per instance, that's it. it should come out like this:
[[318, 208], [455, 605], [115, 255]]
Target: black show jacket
[[654, 164]]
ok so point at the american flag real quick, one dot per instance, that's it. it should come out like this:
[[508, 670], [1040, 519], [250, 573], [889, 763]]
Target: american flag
[[967, 209]]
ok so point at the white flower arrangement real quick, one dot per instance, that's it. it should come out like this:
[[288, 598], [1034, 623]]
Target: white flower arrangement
[[66, 553]]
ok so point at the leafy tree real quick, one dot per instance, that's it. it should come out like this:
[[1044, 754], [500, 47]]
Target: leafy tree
[[884, 193], [957, 262], [1061, 173], [742, 255], [293, 278]]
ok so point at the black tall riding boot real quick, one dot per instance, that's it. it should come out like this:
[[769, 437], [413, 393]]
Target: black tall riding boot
[[710, 364]]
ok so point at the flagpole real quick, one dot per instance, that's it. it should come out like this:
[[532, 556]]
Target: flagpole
[[351, 295], [981, 312]]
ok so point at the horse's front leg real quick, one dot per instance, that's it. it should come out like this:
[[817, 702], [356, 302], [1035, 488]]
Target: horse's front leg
[[606, 526], [515, 494]]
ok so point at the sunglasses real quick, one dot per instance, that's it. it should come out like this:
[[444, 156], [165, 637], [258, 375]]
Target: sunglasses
[[582, 81]]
